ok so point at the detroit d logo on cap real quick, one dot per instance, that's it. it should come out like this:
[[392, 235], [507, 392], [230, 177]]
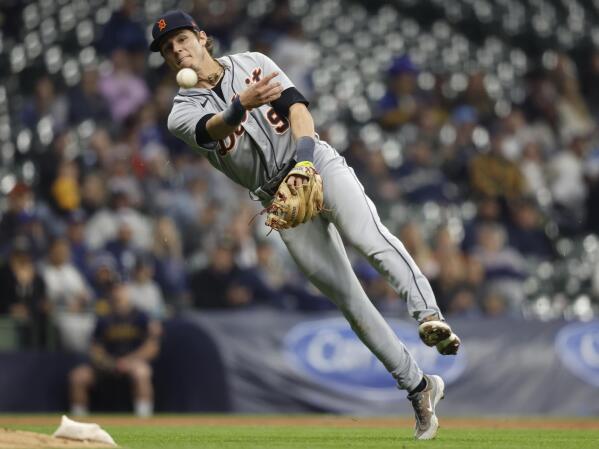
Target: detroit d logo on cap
[[161, 24]]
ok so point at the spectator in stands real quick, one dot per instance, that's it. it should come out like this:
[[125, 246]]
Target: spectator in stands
[[295, 56], [69, 297], [100, 150], [220, 19], [124, 344], [494, 304], [269, 268], [123, 90], [401, 102], [24, 216], [94, 192], [46, 103], [488, 211], [169, 263], [65, 191], [48, 164], [526, 233], [241, 233], [23, 295], [567, 184], [149, 130], [412, 237], [123, 248], [518, 133], [145, 292], [574, 116], [19, 203], [454, 294], [457, 151], [75, 234], [541, 105], [477, 96], [280, 284], [493, 174], [222, 284], [532, 165], [104, 274], [102, 226], [121, 174], [378, 180], [420, 178], [505, 268], [85, 100], [444, 242], [430, 120], [455, 289], [124, 30]]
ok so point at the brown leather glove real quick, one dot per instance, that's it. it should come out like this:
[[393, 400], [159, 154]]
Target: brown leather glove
[[293, 205]]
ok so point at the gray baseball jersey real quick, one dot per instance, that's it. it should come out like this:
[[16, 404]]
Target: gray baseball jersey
[[261, 144], [257, 150]]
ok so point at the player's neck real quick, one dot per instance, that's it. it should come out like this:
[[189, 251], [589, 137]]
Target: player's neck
[[210, 74]]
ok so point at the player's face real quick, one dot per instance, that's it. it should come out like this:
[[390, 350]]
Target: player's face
[[184, 48]]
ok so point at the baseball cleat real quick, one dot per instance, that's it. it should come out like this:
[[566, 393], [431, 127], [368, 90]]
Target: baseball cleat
[[424, 404], [435, 332]]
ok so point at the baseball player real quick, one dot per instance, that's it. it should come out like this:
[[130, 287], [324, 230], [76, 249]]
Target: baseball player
[[248, 119]]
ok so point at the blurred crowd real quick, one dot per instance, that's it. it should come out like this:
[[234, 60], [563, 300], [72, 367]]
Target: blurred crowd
[[129, 204]]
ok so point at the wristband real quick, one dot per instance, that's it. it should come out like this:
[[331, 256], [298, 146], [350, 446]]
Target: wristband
[[233, 115], [305, 164], [304, 149]]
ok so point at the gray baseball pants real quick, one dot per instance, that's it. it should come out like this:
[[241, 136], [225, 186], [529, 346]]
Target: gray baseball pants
[[317, 247]]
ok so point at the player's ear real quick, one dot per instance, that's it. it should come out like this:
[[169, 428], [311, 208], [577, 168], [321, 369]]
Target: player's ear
[[202, 37]]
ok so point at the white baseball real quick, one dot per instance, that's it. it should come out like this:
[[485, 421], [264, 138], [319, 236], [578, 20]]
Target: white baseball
[[187, 78]]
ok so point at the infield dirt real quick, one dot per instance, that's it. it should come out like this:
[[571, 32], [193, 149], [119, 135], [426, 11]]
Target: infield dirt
[[309, 421]]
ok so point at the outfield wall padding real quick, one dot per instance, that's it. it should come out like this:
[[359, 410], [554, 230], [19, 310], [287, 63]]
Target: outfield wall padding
[[268, 361]]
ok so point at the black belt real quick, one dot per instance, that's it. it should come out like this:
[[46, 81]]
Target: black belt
[[271, 186]]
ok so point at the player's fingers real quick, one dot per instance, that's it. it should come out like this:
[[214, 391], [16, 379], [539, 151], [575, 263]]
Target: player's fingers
[[272, 89], [268, 90], [273, 95], [291, 184], [271, 98], [267, 79]]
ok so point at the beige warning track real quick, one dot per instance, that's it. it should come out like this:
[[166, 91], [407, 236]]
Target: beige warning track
[[14, 421], [17, 439]]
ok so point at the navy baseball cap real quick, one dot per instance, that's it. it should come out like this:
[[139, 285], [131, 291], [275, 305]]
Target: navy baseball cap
[[170, 21]]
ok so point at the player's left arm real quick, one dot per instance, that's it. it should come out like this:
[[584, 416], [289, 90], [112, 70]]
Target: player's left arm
[[294, 107], [302, 128]]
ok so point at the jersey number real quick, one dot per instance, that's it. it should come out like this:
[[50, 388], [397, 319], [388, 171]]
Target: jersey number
[[228, 143], [280, 124]]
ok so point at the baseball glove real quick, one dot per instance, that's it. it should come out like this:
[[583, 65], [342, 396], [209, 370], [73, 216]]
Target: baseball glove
[[292, 205]]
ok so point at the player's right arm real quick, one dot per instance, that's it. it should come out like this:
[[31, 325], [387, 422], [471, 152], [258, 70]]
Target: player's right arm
[[224, 123], [200, 127]]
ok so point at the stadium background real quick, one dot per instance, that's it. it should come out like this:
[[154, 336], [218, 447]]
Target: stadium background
[[471, 123]]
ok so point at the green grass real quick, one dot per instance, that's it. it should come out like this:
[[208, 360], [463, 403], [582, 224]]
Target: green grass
[[268, 437]]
